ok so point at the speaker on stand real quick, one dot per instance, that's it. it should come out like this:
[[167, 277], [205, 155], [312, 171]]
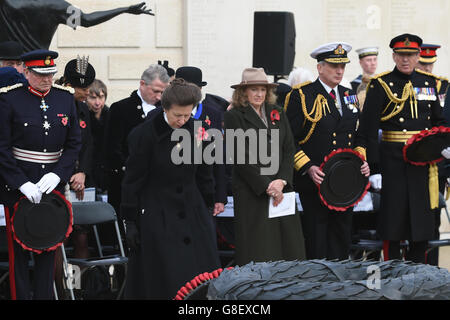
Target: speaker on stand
[[274, 42]]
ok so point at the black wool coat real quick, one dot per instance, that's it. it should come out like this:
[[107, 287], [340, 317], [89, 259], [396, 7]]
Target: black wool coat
[[169, 204]]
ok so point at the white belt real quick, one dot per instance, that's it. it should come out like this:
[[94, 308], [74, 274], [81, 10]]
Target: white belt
[[35, 156]]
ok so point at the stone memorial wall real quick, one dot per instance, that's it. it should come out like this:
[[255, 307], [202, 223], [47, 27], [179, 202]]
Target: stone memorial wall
[[217, 36]]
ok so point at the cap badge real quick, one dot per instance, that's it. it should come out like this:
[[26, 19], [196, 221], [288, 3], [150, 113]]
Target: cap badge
[[339, 50], [48, 61], [407, 42]]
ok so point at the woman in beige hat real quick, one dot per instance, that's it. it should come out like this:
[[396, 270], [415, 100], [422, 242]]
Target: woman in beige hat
[[258, 237]]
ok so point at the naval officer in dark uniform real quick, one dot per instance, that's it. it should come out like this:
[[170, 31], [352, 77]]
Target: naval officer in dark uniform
[[323, 116], [39, 144], [401, 103]]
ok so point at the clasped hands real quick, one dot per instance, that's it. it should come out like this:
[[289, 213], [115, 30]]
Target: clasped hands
[[46, 185]]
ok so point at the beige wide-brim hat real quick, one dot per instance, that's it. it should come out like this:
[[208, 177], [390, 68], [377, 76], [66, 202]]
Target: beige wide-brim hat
[[254, 77]]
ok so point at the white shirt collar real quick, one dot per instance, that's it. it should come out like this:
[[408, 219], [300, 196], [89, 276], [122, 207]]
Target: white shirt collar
[[146, 107], [336, 91], [328, 89]]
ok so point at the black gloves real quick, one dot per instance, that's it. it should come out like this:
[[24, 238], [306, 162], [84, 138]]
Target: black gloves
[[132, 235]]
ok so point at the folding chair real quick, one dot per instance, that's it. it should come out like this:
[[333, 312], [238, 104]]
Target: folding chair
[[91, 214]]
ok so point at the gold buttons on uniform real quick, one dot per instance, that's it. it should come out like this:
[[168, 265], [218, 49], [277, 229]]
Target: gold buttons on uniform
[[334, 134], [334, 143], [349, 144], [401, 120], [350, 135], [426, 83], [391, 84]]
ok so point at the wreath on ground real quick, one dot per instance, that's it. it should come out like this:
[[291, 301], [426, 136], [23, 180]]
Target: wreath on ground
[[325, 280]]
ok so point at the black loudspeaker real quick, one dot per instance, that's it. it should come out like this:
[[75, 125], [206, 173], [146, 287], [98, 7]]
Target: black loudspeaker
[[274, 42]]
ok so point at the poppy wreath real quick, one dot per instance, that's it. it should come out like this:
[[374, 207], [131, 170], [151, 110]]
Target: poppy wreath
[[330, 280], [196, 284], [421, 136], [366, 188]]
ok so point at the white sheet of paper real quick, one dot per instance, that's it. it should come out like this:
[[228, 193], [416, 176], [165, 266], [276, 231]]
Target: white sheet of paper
[[89, 195], [2, 216], [285, 208], [229, 209]]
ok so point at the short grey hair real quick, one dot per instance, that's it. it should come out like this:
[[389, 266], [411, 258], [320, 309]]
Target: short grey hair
[[153, 72]]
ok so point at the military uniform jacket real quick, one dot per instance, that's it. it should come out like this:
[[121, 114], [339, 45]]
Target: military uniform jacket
[[169, 204], [327, 131], [24, 125], [405, 212]]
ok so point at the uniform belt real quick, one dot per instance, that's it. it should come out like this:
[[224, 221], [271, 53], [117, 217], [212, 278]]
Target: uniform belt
[[35, 156], [398, 136]]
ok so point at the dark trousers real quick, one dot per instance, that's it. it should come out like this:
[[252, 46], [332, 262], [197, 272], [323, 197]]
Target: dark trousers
[[41, 288], [327, 233], [414, 253]]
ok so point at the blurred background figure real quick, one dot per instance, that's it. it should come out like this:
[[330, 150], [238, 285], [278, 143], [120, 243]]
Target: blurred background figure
[[10, 52], [99, 112], [368, 60], [299, 76]]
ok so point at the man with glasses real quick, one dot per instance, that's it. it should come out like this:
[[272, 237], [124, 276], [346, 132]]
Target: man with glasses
[[125, 115], [39, 145]]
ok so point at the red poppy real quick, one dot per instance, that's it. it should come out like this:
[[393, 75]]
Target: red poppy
[[208, 122], [82, 124], [274, 115], [202, 134], [64, 121]]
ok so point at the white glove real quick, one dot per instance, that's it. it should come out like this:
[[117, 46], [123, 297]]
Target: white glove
[[375, 181], [31, 191], [48, 182], [446, 153]]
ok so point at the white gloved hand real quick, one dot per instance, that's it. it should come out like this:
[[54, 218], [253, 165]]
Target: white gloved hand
[[446, 153], [375, 181], [31, 191], [48, 182]]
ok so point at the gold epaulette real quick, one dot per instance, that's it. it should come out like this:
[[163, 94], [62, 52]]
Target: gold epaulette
[[68, 89], [9, 88], [375, 77], [380, 75], [296, 87], [428, 74]]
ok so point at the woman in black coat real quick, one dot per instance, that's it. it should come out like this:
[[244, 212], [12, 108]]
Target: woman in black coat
[[166, 206], [258, 237]]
